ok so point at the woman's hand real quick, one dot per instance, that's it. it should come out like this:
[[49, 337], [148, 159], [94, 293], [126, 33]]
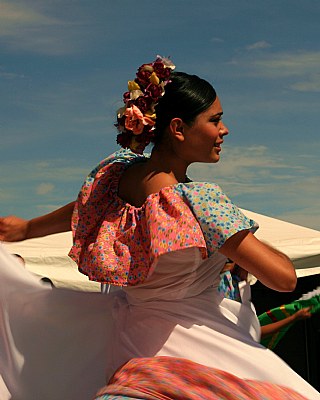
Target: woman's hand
[[304, 313], [271, 267], [235, 270], [13, 229]]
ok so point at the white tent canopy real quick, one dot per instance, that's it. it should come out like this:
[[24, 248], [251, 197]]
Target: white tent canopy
[[48, 256]]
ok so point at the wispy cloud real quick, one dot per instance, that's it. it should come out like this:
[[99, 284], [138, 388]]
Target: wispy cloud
[[44, 188], [248, 164], [37, 172], [312, 84], [217, 40], [9, 75], [258, 45], [32, 185], [14, 13], [25, 28], [288, 64], [296, 70]]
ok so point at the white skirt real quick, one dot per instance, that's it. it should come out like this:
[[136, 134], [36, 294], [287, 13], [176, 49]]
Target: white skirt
[[63, 344]]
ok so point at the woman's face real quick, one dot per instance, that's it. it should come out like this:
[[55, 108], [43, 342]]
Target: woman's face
[[203, 139]]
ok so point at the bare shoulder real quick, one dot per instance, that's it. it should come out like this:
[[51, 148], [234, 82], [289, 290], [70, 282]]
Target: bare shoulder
[[138, 182]]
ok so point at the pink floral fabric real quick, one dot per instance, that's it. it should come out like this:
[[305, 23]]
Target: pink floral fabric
[[117, 243], [170, 378]]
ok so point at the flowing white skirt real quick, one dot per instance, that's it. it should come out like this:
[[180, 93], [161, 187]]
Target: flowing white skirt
[[63, 344]]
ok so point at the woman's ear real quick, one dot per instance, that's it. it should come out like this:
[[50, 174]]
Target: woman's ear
[[177, 128]]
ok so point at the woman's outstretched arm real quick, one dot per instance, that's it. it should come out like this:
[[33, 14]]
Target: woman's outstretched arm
[[13, 229]]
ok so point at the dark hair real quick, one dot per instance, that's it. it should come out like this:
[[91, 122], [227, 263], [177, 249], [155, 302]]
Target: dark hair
[[185, 97]]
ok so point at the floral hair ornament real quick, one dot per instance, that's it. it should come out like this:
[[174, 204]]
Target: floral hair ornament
[[136, 120]]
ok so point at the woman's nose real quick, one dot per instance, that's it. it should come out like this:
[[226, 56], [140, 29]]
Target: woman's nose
[[223, 129]]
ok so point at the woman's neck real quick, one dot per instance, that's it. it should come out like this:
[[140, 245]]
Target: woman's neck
[[163, 160], [141, 179]]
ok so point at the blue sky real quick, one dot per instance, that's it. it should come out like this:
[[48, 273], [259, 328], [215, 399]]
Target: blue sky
[[64, 65]]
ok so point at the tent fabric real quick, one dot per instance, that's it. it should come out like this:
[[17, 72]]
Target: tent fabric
[[48, 256]]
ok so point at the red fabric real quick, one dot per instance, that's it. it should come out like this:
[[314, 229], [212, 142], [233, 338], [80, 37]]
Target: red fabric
[[169, 378]]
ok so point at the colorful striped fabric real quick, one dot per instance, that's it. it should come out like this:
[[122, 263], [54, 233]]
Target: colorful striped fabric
[[169, 378], [284, 311]]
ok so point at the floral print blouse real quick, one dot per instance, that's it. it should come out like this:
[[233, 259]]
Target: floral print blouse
[[117, 243]]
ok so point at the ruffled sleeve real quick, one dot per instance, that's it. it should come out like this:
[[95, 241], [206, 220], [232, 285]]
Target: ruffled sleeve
[[218, 217]]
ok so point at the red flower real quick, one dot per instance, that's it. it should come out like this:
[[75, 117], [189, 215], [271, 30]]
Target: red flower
[[143, 74], [161, 71], [154, 91], [143, 103], [124, 139]]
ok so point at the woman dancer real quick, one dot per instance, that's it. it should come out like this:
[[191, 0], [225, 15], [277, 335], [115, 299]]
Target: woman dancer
[[140, 223]]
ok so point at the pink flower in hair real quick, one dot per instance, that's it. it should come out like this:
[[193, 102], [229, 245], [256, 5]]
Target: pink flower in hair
[[136, 121]]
